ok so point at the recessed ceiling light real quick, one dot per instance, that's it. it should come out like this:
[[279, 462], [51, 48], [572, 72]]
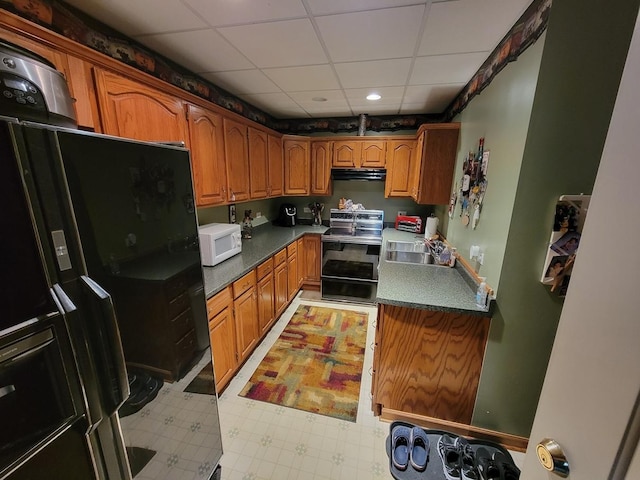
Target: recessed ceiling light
[[319, 99], [373, 96]]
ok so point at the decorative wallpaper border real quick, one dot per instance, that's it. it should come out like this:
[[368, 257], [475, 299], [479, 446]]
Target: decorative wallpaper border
[[75, 25]]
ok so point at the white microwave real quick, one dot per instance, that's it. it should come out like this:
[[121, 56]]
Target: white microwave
[[219, 241]]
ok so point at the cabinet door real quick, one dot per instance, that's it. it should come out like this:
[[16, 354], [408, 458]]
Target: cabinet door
[[258, 164], [320, 168], [400, 168], [266, 303], [276, 166], [281, 279], [311, 259], [373, 154], [297, 171], [207, 156], [346, 153], [237, 160], [293, 281], [222, 337], [300, 255], [133, 110], [246, 320], [437, 159]]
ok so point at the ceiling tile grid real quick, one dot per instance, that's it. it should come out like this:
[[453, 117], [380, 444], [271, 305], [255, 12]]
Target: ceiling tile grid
[[318, 58]]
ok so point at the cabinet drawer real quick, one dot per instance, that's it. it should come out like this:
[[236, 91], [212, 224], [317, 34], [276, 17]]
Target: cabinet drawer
[[178, 304], [182, 324], [175, 287], [242, 285], [264, 269], [292, 248], [280, 257], [219, 302]]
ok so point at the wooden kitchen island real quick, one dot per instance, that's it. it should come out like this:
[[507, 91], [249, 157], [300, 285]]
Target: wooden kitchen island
[[429, 344]]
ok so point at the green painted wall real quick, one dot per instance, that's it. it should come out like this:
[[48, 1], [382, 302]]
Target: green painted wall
[[584, 53], [501, 115]]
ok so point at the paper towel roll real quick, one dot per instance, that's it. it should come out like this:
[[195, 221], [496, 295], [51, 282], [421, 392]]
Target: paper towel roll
[[432, 227]]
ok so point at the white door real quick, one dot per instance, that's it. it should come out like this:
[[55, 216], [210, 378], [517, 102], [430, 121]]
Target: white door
[[593, 378]]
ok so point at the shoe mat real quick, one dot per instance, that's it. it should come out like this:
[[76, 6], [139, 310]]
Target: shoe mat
[[434, 470]]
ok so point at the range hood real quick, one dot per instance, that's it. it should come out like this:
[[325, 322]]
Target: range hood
[[367, 174]]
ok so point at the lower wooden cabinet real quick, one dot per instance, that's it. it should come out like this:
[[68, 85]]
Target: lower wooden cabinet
[[293, 281], [245, 310], [266, 296], [281, 281], [427, 363], [310, 260], [222, 334]]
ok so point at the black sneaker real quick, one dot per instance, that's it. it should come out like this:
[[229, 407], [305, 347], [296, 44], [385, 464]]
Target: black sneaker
[[450, 455]]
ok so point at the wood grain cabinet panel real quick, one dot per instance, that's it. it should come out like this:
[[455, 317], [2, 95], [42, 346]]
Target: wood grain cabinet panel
[[258, 164], [281, 279], [401, 159], [320, 168], [311, 255], [266, 300], [373, 154], [222, 336], [427, 363], [297, 170], [276, 166], [436, 153], [359, 153], [133, 110], [237, 160], [245, 313], [207, 156]]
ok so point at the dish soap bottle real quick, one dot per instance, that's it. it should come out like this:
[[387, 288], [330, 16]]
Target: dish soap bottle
[[481, 294]]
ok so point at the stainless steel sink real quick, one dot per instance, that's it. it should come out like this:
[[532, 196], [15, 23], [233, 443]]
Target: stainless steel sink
[[398, 246], [417, 258]]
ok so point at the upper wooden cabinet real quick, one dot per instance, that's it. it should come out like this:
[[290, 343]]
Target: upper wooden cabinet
[[258, 164], [356, 153], [276, 166], [296, 166], [401, 169], [134, 110], [320, 168], [237, 160], [207, 156], [435, 161]]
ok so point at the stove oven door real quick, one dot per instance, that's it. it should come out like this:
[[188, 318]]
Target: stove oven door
[[349, 271]]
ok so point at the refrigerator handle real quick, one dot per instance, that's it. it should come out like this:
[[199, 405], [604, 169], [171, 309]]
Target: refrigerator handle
[[107, 342], [83, 358]]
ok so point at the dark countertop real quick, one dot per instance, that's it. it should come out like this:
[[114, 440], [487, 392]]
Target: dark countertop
[[266, 241], [425, 286]]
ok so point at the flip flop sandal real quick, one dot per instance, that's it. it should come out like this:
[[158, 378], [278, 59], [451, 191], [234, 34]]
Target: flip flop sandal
[[400, 441], [507, 469], [419, 453], [450, 455], [487, 467]]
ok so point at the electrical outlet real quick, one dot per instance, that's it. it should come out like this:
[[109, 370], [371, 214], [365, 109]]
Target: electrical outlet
[[481, 258], [402, 212], [306, 210], [258, 214]]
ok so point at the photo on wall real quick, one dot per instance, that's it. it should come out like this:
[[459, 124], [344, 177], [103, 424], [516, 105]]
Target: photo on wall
[[568, 221]]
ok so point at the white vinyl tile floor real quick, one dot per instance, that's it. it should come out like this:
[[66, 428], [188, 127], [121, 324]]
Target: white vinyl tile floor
[[263, 441]]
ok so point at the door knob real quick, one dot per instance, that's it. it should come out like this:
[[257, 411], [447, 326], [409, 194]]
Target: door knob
[[552, 457]]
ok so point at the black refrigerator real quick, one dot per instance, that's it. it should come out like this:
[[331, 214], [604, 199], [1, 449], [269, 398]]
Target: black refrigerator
[[105, 366]]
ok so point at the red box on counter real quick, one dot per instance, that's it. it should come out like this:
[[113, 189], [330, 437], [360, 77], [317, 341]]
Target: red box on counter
[[409, 223]]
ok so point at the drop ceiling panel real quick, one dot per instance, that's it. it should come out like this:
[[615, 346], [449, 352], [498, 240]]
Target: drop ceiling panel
[[233, 12], [432, 98], [179, 48], [312, 77], [140, 16], [277, 44], [324, 7], [377, 73], [469, 25], [446, 68], [243, 81], [334, 99], [372, 35], [278, 103]]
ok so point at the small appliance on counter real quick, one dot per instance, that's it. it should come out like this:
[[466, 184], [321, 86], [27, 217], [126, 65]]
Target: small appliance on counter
[[219, 241], [287, 217], [409, 223]]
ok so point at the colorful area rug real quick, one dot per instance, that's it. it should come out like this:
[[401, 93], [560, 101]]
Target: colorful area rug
[[316, 363]]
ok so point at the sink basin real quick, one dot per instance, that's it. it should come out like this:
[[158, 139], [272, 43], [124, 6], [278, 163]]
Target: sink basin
[[417, 258], [417, 246]]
